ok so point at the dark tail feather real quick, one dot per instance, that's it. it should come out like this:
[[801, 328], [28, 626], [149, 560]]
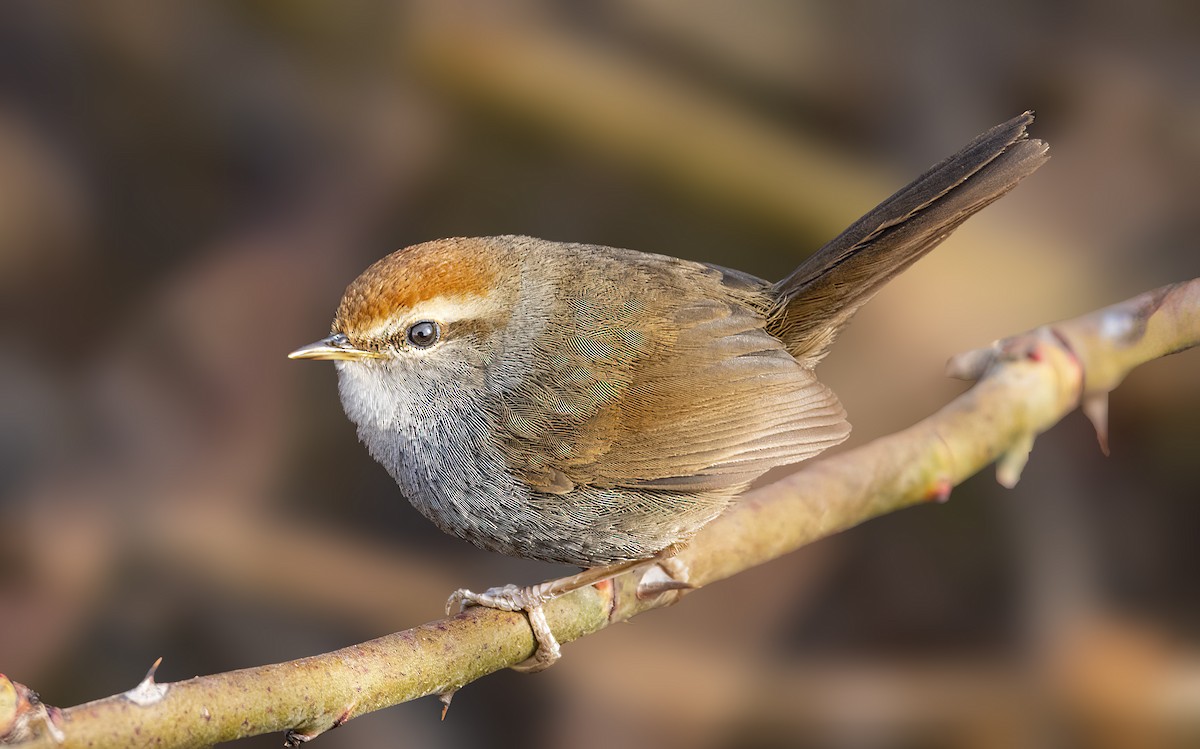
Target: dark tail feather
[[820, 296]]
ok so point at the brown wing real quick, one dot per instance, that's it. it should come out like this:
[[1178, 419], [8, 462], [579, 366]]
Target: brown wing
[[682, 391]]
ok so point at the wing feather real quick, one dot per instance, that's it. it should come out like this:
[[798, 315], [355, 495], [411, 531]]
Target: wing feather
[[682, 392]]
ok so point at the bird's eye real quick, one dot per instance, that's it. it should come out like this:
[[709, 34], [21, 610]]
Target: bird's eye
[[424, 334]]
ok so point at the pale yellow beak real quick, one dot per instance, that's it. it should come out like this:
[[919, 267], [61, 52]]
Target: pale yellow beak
[[335, 347]]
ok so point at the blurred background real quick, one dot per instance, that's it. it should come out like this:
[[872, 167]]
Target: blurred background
[[186, 188]]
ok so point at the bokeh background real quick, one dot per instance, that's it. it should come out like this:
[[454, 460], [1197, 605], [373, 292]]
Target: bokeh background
[[186, 188]]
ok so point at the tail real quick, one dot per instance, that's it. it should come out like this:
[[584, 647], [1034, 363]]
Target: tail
[[821, 296]]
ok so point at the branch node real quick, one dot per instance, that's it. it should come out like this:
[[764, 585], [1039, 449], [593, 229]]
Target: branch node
[[24, 715], [940, 491], [293, 738], [972, 365]]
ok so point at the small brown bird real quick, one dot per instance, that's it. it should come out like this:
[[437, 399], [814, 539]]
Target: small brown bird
[[596, 406]]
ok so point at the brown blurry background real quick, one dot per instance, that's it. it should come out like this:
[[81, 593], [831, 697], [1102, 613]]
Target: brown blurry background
[[186, 188]]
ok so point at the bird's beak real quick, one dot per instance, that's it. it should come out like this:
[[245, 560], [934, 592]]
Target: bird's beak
[[335, 347]]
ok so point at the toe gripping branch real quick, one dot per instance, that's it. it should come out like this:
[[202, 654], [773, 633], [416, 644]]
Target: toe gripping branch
[[663, 573], [515, 598]]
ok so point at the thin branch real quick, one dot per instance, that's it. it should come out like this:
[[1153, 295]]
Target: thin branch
[[1026, 384]]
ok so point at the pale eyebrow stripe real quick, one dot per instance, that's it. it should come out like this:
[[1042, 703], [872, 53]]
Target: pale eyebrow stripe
[[443, 310]]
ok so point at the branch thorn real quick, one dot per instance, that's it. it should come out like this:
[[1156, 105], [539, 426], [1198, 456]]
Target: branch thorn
[[445, 698], [1095, 407], [1012, 463], [148, 692]]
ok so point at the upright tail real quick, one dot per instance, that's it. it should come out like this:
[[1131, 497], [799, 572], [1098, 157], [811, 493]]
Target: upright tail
[[821, 295]]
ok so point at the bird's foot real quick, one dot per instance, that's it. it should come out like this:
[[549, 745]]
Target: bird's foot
[[514, 598], [665, 572]]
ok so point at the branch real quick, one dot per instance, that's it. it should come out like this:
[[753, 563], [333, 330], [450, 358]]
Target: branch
[[1026, 384]]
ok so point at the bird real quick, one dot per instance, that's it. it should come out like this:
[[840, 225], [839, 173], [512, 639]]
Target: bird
[[597, 406]]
